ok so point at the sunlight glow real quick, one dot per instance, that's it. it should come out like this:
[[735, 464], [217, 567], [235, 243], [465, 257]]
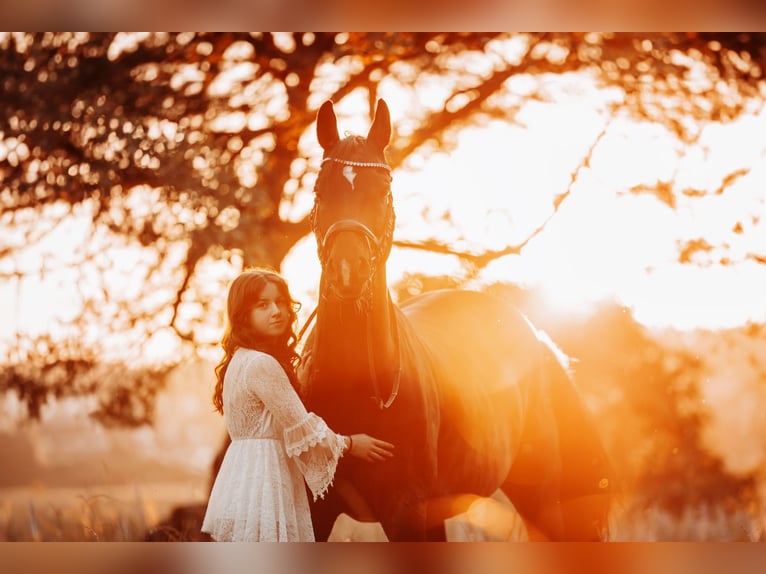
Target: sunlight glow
[[125, 42], [605, 243]]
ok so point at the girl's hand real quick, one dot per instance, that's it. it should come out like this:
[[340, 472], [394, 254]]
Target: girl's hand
[[370, 448]]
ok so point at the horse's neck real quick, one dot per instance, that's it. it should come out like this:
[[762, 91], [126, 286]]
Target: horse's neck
[[350, 336]]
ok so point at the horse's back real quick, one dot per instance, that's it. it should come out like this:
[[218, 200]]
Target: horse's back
[[485, 356], [473, 331]]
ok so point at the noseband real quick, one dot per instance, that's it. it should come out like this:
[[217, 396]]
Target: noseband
[[323, 243]]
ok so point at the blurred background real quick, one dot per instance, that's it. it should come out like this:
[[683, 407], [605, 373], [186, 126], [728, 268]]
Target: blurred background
[[613, 186]]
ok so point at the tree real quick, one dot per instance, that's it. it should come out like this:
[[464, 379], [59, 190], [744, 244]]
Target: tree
[[655, 417], [184, 156]]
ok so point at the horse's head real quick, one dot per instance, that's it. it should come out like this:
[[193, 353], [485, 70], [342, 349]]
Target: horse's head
[[353, 216]]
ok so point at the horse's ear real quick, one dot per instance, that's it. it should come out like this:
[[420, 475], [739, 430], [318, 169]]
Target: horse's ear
[[380, 131], [327, 126]]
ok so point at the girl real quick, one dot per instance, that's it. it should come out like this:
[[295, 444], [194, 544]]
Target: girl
[[259, 492]]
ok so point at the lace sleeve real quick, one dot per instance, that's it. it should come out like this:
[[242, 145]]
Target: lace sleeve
[[308, 440]]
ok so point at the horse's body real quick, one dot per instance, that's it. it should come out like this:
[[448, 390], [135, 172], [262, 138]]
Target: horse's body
[[458, 380]]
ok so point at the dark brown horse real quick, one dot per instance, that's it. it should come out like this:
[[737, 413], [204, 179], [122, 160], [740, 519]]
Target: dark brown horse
[[458, 380]]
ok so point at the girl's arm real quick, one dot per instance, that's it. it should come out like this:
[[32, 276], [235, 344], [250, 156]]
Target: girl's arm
[[307, 438]]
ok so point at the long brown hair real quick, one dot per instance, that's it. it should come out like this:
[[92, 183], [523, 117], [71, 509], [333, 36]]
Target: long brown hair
[[243, 293]]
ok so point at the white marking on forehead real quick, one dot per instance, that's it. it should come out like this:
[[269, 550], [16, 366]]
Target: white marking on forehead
[[349, 174], [345, 272]]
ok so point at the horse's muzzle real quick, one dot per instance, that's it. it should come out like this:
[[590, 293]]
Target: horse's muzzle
[[348, 253]]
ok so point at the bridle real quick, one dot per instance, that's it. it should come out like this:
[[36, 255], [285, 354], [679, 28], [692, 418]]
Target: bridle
[[379, 248]]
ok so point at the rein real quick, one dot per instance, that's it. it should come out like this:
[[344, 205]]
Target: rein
[[373, 372], [306, 324]]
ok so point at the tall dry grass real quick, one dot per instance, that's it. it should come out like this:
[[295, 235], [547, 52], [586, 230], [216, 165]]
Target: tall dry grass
[[40, 515], [104, 514]]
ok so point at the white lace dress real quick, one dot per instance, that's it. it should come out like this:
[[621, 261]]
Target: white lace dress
[[259, 492]]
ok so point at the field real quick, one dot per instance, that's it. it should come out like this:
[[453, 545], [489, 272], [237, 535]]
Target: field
[[99, 513], [128, 512]]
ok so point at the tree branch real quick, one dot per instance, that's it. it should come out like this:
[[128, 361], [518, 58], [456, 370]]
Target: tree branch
[[481, 260]]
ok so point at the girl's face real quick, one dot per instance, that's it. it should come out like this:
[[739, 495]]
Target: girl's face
[[270, 314]]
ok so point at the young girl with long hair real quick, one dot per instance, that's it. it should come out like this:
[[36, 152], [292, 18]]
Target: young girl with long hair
[[259, 492]]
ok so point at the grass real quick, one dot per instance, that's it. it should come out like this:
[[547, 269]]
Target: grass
[[40, 515], [104, 514], [703, 523]]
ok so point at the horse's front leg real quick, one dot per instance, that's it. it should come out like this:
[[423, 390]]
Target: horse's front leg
[[406, 519], [324, 513]]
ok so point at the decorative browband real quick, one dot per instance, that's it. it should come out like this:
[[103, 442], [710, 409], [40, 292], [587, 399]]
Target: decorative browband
[[358, 163]]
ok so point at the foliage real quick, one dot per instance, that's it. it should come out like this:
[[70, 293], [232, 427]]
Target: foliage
[[197, 148], [120, 394]]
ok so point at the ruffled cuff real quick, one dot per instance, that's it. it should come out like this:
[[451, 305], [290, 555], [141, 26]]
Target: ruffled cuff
[[316, 450]]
